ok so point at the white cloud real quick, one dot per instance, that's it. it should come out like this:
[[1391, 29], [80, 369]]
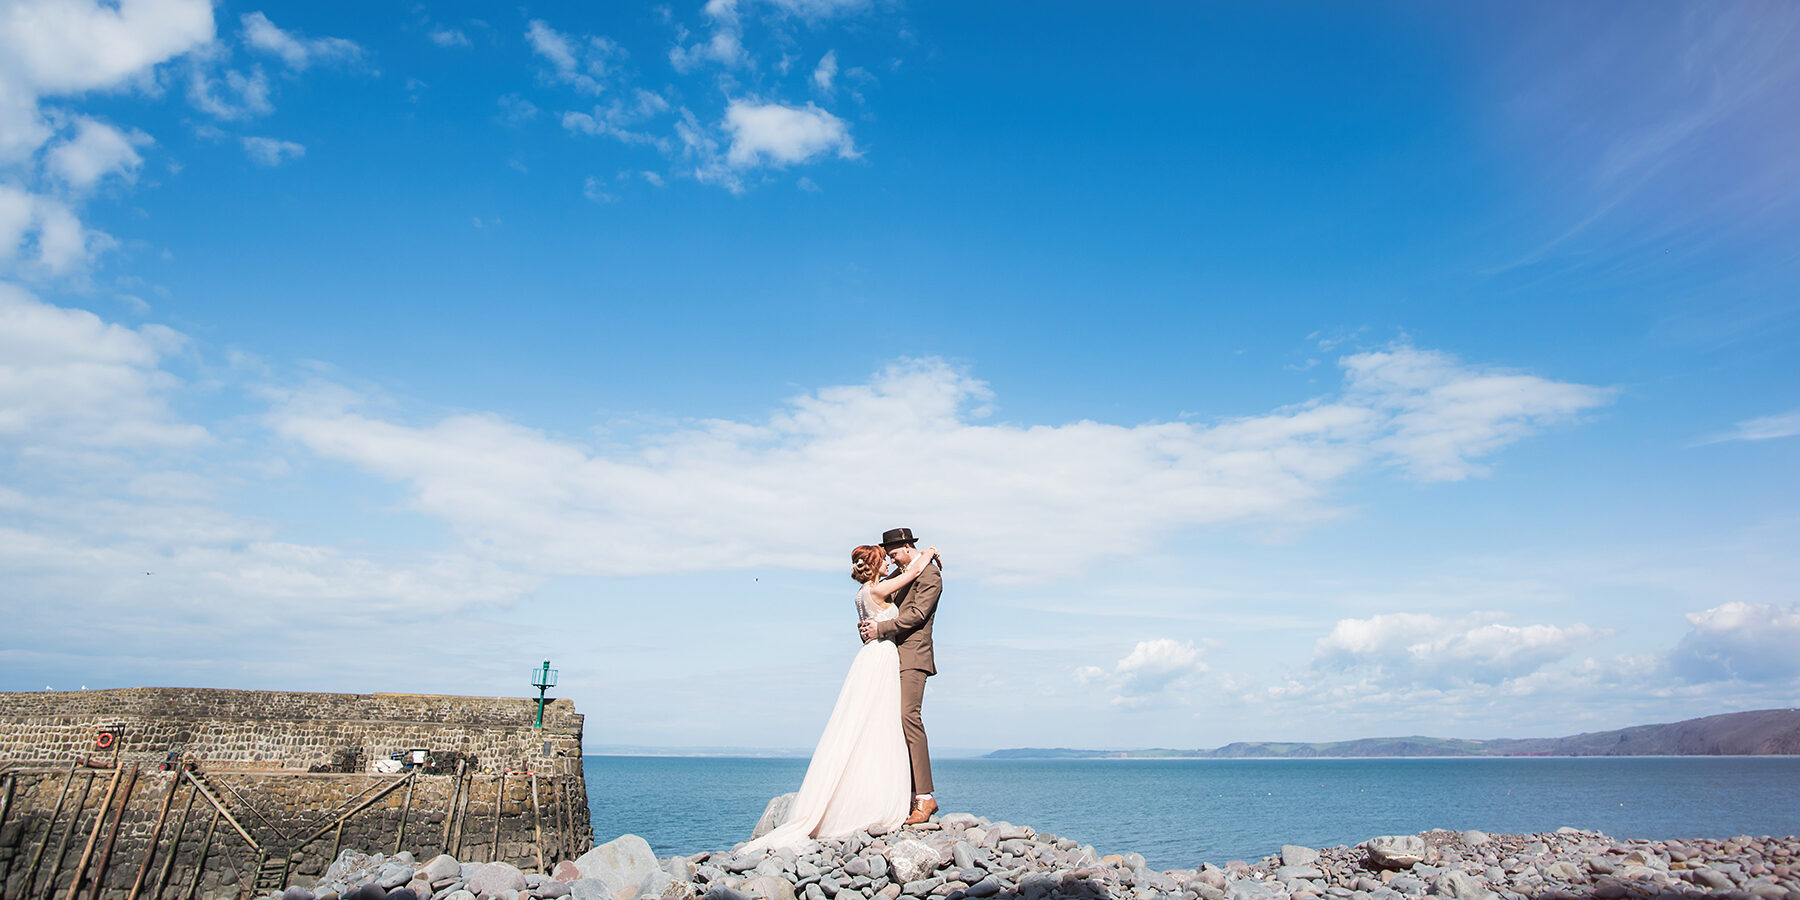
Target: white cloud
[[271, 152], [555, 505], [298, 52], [51, 48], [617, 118], [448, 37], [68, 379], [231, 95], [826, 71], [781, 135], [594, 189], [515, 110], [61, 47], [1753, 642], [96, 150], [45, 233], [1440, 652], [818, 9], [1154, 670], [1762, 428], [585, 63], [1444, 413], [724, 47]]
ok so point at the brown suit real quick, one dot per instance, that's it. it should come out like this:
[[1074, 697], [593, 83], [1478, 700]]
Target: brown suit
[[911, 631]]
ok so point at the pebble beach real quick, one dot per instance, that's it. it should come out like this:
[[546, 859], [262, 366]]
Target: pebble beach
[[960, 855]]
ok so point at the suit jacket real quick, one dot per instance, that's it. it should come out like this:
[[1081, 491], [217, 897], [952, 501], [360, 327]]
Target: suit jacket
[[910, 630]]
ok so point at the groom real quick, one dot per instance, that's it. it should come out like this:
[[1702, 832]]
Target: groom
[[911, 631]]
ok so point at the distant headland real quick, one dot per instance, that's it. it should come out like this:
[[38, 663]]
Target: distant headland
[[1762, 732]]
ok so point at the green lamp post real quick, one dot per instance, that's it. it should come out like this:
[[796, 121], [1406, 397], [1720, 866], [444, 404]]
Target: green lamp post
[[543, 678]]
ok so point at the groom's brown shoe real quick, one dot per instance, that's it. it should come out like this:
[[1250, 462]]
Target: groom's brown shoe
[[922, 810]]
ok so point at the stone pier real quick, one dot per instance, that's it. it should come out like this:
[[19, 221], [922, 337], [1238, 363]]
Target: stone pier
[[195, 794]]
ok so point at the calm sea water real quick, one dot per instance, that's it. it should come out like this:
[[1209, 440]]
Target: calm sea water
[[1180, 813]]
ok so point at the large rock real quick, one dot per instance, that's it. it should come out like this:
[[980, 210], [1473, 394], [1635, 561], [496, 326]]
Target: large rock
[[393, 874], [912, 860], [1455, 884], [627, 862], [442, 866], [1399, 851], [347, 863], [497, 879], [593, 889], [1295, 855], [774, 815], [768, 887], [1251, 889]]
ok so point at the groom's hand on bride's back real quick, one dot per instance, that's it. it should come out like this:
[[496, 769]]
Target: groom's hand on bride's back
[[866, 630]]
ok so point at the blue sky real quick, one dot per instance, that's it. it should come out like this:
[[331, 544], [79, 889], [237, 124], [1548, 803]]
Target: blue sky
[[1275, 372]]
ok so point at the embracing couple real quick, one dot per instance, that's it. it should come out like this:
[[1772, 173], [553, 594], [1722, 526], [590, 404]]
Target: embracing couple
[[872, 766]]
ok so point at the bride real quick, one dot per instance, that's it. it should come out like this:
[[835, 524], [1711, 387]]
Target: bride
[[860, 775]]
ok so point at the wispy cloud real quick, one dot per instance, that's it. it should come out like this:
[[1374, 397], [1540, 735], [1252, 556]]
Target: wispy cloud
[[1676, 119], [297, 51], [1762, 428], [272, 152]]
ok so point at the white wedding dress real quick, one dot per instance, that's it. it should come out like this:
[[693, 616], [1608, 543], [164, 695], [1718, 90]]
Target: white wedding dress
[[860, 774]]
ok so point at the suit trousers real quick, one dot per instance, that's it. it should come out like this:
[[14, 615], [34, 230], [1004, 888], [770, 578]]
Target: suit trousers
[[912, 697]]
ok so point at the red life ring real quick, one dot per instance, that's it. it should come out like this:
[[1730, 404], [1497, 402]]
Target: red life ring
[[105, 740]]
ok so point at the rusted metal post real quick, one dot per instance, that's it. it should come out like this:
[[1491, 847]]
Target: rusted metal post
[[499, 801], [168, 867], [337, 841], [405, 811], [205, 850], [62, 843], [112, 835], [137, 884], [87, 852], [537, 823], [37, 856]]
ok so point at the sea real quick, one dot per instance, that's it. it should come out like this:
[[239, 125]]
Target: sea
[[1181, 813]]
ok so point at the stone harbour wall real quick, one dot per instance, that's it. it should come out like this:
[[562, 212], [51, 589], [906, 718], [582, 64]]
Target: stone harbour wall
[[258, 787], [281, 729]]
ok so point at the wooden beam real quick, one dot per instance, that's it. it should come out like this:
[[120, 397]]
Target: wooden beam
[[87, 852], [62, 843], [168, 868], [112, 835], [137, 884], [37, 856]]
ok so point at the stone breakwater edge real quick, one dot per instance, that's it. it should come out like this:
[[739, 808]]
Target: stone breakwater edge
[[959, 856]]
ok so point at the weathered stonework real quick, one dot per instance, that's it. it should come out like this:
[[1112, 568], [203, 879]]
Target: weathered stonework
[[256, 752]]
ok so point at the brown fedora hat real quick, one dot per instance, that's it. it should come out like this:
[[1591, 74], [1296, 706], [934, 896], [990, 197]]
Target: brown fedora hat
[[894, 537]]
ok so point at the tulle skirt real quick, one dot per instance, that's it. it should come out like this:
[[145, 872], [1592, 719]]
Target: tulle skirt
[[860, 774]]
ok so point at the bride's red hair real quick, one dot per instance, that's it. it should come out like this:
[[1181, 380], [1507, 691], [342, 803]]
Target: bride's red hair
[[865, 562]]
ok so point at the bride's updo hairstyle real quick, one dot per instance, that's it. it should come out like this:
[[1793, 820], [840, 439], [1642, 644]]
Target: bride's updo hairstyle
[[865, 562]]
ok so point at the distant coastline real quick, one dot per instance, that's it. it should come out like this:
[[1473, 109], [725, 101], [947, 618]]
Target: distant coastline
[[1764, 732]]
